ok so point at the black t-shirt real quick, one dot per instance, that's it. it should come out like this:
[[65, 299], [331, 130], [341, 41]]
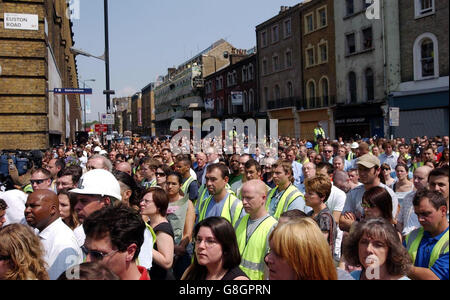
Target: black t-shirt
[[157, 272], [234, 273]]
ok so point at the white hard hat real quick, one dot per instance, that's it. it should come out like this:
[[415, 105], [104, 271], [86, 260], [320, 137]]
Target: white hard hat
[[103, 152], [355, 145], [97, 149], [98, 182]]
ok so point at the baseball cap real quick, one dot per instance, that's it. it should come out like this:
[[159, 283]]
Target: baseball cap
[[368, 161], [309, 145]]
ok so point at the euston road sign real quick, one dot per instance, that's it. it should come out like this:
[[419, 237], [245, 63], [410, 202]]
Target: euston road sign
[[73, 91]]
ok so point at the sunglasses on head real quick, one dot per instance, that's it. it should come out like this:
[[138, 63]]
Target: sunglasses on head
[[38, 181]]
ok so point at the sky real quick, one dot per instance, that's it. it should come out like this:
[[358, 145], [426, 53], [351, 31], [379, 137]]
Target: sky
[[148, 36]]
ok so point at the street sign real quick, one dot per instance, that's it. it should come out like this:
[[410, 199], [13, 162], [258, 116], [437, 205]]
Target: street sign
[[108, 119], [394, 116], [101, 128], [72, 91], [21, 21]]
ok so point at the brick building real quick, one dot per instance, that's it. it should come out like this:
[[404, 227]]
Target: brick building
[[32, 63], [239, 78], [319, 68], [280, 68], [422, 95]]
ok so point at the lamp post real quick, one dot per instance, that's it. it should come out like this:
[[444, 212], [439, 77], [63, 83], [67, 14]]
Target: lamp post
[[105, 57], [84, 96]]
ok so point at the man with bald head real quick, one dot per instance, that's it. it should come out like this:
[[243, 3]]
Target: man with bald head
[[60, 245], [124, 167], [253, 230], [407, 220]]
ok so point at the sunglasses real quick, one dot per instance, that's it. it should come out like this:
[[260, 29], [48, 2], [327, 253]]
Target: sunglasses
[[96, 255], [386, 169], [161, 174], [38, 181], [2, 258], [327, 151]]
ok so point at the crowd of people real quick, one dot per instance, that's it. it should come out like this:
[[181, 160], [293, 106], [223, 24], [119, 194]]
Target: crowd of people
[[361, 209]]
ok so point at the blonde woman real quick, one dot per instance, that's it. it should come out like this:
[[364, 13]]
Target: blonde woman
[[21, 254], [299, 251]]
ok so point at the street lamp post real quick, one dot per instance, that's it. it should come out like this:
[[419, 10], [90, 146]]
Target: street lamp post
[[105, 57]]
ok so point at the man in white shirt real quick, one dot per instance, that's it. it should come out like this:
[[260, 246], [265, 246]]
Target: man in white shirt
[[407, 220], [389, 156], [60, 245]]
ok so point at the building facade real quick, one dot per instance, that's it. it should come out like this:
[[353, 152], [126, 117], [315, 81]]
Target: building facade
[[136, 114], [367, 64], [121, 106], [422, 95], [33, 62], [180, 94], [148, 111], [319, 68], [231, 92], [280, 78]]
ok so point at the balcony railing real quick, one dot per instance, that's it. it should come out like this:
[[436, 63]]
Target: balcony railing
[[283, 103], [314, 103]]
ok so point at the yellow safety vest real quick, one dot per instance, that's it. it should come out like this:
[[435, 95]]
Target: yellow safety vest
[[203, 195], [318, 131], [253, 251], [231, 209], [186, 185], [413, 242], [289, 195]]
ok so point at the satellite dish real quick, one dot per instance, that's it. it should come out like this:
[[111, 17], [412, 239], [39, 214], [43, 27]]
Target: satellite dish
[[225, 54]]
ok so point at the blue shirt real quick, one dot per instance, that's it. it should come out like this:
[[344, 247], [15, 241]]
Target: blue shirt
[[440, 267], [297, 173], [214, 209]]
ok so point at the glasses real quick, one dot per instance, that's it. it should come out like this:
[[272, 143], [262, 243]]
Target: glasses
[[2, 257], [96, 255], [327, 151], [386, 169], [38, 181], [161, 174], [208, 242], [367, 205]]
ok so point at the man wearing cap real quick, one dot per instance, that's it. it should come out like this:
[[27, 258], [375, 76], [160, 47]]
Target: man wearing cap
[[369, 171], [96, 189]]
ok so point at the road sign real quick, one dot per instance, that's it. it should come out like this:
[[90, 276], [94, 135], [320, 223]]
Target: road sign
[[72, 91], [21, 21], [108, 119], [101, 128], [394, 116]]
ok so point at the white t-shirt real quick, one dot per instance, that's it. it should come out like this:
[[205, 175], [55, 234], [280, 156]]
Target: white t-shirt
[[407, 216], [80, 235], [61, 248], [15, 199]]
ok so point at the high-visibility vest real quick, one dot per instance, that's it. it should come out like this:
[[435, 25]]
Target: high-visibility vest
[[253, 251], [413, 242], [289, 195], [231, 209], [186, 184], [203, 194], [318, 131]]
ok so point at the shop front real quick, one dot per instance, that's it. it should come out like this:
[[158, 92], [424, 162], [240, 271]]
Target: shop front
[[364, 120]]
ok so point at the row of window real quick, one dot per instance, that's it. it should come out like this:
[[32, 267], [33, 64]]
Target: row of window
[[275, 33], [366, 43], [248, 104], [322, 56], [276, 62], [248, 74], [321, 20], [421, 7]]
